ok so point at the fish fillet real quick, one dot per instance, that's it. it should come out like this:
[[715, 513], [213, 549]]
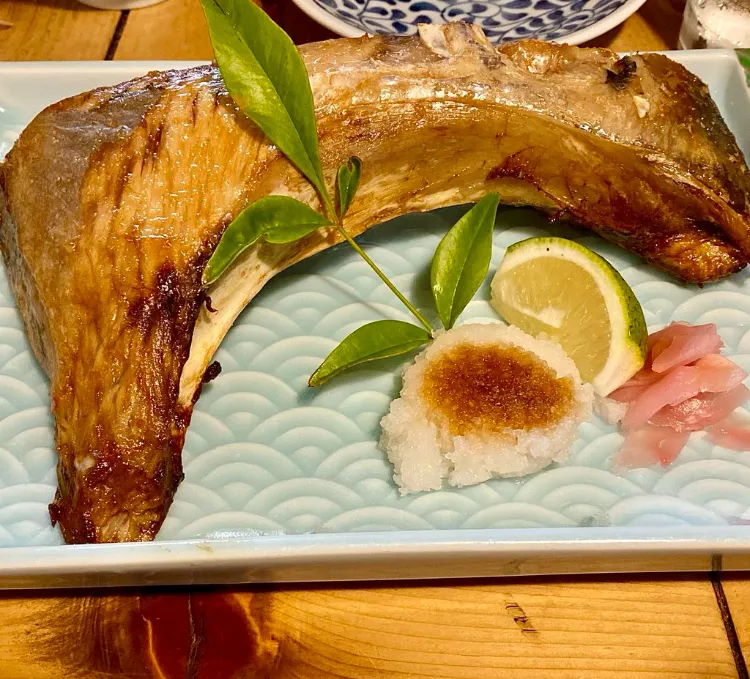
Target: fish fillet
[[112, 202]]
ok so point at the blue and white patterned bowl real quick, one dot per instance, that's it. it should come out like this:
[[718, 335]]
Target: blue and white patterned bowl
[[570, 21]]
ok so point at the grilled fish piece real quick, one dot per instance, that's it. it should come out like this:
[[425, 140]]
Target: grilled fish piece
[[113, 200]]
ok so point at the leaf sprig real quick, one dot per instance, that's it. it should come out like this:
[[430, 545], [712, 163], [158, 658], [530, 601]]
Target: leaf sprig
[[347, 182], [266, 77], [462, 260], [277, 219], [459, 267], [373, 341]]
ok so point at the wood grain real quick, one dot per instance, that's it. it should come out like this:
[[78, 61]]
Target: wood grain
[[170, 30], [532, 630], [656, 26], [177, 30], [737, 592], [54, 30], [635, 33]]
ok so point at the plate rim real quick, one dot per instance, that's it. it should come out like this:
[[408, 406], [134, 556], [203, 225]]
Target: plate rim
[[388, 555]]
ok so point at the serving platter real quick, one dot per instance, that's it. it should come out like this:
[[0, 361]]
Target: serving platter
[[287, 483]]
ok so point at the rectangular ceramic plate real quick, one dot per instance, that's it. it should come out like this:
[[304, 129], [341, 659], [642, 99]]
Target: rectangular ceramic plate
[[285, 483]]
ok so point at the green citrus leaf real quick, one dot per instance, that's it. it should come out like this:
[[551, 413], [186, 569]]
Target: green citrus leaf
[[347, 181], [265, 75], [380, 339], [462, 259], [278, 219], [289, 233]]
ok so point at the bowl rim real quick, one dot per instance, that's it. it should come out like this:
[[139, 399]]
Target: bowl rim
[[628, 8]]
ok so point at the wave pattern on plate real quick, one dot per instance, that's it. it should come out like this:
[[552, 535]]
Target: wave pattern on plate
[[265, 454], [501, 20]]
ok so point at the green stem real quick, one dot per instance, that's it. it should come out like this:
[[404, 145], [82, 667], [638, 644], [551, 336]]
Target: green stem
[[384, 278], [329, 208]]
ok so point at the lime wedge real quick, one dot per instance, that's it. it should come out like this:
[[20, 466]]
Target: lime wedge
[[562, 289]]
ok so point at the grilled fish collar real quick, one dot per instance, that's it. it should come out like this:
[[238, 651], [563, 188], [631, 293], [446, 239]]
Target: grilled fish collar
[[113, 200]]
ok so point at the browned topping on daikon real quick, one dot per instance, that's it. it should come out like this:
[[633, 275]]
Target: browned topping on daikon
[[492, 389]]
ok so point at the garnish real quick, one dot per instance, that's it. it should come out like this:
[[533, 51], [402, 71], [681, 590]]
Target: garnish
[[459, 266], [347, 181], [277, 219], [483, 400], [462, 260], [265, 75], [376, 340], [560, 288], [622, 73], [686, 385]]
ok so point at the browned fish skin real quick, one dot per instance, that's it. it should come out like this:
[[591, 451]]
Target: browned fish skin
[[113, 200]]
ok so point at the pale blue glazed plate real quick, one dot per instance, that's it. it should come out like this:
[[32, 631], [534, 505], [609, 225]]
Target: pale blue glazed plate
[[284, 482], [570, 21]]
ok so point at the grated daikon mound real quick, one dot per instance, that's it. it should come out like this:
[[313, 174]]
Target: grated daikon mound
[[420, 438]]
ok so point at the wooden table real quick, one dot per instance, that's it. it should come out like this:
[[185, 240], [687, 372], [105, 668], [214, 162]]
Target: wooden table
[[638, 627]]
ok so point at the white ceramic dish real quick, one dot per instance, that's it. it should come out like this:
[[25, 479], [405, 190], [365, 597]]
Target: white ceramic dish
[[275, 492]]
